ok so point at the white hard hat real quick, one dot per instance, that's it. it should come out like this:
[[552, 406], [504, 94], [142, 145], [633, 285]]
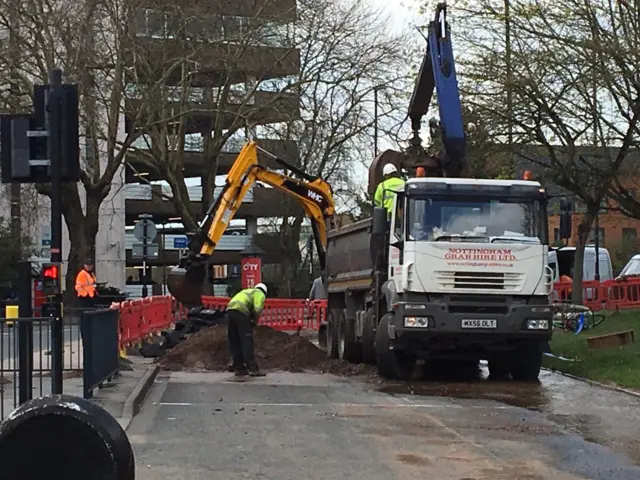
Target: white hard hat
[[263, 287], [389, 168]]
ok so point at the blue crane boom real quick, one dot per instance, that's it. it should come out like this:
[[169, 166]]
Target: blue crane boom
[[438, 74]]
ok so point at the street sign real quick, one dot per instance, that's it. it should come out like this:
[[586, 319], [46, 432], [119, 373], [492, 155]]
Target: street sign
[[152, 250], [45, 236], [138, 230], [180, 242]]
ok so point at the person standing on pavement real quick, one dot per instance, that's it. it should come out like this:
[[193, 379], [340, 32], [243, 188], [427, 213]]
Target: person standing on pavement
[[86, 290], [242, 315]]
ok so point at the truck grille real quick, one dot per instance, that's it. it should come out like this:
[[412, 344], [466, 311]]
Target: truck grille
[[479, 280]]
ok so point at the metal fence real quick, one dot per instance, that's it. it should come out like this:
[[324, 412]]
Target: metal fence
[[21, 371], [12, 366], [100, 348]]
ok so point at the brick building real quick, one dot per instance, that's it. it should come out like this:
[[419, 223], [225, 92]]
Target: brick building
[[617, 232]]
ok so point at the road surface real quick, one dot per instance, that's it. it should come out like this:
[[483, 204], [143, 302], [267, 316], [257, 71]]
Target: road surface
[[295, 426]]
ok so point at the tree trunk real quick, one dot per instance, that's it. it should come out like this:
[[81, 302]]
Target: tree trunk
[[84, 228], [578, 263], [290, 253]]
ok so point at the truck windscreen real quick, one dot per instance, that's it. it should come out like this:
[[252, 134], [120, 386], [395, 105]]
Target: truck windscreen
[[476, 219]]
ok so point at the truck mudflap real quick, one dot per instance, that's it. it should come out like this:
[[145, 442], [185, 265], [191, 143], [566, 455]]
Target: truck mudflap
[[431, 322]]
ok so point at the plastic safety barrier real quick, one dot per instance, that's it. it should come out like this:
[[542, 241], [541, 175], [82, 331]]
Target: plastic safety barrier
[[609, 295], [143, 318], [286, 314]]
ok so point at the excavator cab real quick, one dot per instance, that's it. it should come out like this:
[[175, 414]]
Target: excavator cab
[[185, 281]]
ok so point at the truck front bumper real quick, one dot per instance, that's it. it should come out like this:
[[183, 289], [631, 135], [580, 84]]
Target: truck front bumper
[[480, 321]]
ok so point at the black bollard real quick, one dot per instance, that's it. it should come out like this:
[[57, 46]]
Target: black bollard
[[64, 437]]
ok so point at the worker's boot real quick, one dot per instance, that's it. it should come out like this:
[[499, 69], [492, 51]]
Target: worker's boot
[[241, 371], [231, 367], [255, 371]]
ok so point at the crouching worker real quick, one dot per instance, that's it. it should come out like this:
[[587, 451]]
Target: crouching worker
[[242, 315]]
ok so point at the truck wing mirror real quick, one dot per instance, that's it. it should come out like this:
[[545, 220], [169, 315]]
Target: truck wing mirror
[[565, 219], [379, 231]]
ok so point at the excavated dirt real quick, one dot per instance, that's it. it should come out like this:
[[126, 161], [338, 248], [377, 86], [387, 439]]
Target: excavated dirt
[[275, 350]]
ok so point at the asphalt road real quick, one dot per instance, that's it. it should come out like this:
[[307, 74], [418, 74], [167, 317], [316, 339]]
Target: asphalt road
[[291, 426]]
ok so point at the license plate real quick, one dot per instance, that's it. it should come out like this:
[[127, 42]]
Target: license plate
[[479, 323]]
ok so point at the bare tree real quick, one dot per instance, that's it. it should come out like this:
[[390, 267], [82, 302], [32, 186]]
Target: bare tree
[[346, 55], [94, 43], [565, 86], [217, 89]]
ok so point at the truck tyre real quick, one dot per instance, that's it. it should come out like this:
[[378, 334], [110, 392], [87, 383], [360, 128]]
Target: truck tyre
[[332, 333], [349, 350], [498, 369], [526, 363], [322, 336], [369, 339], [391, 365]]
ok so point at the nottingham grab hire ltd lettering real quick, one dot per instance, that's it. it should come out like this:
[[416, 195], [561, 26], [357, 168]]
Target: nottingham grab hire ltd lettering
[[479, 254]]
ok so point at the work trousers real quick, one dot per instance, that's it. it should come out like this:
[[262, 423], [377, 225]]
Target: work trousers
[[240, 332]]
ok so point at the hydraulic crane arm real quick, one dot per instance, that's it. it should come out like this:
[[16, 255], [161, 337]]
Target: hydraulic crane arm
[[313, 194], [437, 75]]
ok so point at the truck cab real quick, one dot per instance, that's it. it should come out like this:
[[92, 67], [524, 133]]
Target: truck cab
[[467, 271]]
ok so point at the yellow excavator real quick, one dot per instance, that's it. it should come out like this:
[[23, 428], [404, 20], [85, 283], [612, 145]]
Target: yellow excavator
[[186, 281]]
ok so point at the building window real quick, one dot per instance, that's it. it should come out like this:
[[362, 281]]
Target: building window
[[556, 235], [630, 235], [155, 24], [592, 236]]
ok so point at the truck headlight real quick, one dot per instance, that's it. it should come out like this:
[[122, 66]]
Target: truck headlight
[[537, 324], [416, 322]]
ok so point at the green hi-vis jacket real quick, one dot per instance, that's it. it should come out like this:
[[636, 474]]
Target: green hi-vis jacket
[[383, 197], [249, 301]]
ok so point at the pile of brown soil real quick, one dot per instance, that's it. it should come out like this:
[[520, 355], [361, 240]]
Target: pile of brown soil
[[275, 350]]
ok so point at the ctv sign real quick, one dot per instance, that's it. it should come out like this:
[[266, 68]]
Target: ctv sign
[[251, 274]]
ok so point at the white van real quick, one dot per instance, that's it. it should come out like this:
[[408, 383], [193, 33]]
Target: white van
[[632, 268], [561, 262]]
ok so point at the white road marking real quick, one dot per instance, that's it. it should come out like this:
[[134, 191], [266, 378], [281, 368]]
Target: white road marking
[[344, 405]]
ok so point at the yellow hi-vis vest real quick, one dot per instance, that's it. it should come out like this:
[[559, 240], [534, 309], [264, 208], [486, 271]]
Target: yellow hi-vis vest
[[249, 301], [384, 196]]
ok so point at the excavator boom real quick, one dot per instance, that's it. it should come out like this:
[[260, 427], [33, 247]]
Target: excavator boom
[[186, 281]]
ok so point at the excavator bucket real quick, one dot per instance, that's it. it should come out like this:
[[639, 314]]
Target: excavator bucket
[[186, 284]]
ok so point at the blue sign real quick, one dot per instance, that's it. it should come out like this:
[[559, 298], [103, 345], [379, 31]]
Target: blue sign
[[180, 242]]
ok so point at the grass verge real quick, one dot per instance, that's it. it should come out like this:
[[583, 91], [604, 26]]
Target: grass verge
[[614, 366]]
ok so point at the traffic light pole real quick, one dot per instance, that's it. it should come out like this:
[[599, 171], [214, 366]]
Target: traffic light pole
[[145, 240], [25, 333], [54, 127]]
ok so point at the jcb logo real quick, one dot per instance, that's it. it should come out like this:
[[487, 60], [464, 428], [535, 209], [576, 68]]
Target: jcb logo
[[314, 196]]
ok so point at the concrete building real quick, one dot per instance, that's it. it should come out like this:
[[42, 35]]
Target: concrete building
[[218, 64], [253, 33]]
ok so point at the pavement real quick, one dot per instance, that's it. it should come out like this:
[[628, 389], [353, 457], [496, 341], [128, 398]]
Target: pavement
[[295, 425], [121, 398]]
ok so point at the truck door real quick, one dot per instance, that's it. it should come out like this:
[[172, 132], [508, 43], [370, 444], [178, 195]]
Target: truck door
[[396, 240]]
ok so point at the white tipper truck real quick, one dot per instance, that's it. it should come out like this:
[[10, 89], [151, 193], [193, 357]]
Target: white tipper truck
[[458, 272]]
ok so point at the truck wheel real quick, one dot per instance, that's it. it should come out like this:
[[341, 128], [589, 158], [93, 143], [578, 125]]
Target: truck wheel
[[498, 369], [332, 333], [391, 365], [349, 349], [526, 363], [322, 336], [369, 339]]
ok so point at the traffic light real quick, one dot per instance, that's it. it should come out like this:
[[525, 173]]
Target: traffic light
[[50, 279]]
